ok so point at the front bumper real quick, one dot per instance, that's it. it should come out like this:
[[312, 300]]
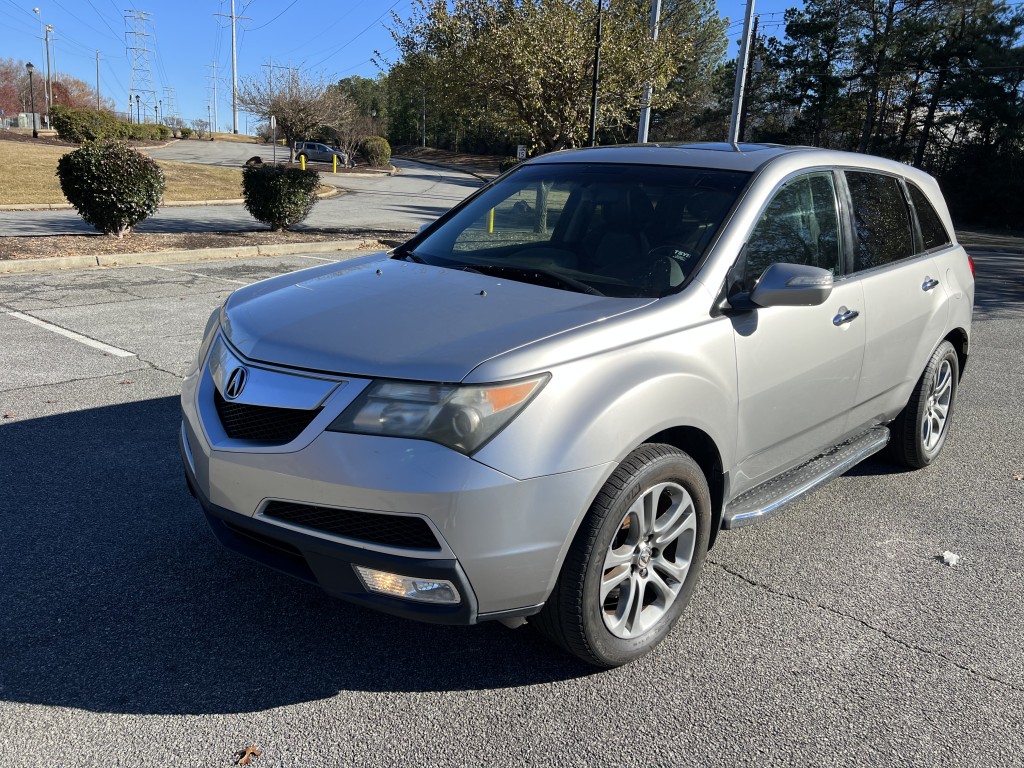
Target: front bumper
[[328, 563], [500, 540]]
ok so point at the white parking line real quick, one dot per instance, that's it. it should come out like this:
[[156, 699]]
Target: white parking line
[[314, 258], [72, 335], [200, 274]]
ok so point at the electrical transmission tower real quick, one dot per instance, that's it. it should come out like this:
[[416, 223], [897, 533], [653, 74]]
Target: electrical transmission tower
[[213, 86], [141, 89], [170, 108]]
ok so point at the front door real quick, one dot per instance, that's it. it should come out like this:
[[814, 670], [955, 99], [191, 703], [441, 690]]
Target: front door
[[798, 368]]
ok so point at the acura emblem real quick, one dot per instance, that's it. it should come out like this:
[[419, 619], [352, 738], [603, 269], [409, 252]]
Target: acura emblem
[[236, 383]]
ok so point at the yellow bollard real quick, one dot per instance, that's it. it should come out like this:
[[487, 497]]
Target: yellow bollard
[[302, 161], [490, 222], [335, 159]]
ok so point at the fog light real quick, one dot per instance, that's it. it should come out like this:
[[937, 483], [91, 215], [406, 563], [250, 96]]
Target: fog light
[[421, 590]]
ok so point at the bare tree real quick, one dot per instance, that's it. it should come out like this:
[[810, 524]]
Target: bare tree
[[300, 102]]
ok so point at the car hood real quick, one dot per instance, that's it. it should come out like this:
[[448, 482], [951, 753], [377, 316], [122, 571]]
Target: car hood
[[379, 317]]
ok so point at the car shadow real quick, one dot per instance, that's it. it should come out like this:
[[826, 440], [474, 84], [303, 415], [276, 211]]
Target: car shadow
[[116, 597]]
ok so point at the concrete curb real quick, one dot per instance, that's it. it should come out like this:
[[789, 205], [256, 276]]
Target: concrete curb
[[328, 193], [55, 263]]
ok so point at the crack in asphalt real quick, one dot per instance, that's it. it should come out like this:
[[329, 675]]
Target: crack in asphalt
[[878, 630], [78, 381]]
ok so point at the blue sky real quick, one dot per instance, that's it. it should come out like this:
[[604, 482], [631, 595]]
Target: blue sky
[[338, 38]]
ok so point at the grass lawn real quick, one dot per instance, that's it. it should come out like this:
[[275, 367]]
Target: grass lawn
[[239, 138], [30, 177]]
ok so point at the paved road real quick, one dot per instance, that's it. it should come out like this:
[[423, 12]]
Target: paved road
[[416, 196], [828, 636]]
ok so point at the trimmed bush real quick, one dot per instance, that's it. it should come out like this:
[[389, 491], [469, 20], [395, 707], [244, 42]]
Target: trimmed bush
[[111, 185], [279, 196], [508, 162], [164, 132], [376, 150], [186, 133], [82, 125]]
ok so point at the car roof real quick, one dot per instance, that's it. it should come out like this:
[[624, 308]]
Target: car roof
[[723, 156]]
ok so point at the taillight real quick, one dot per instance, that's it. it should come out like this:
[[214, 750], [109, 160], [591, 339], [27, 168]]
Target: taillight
[[970, 262]]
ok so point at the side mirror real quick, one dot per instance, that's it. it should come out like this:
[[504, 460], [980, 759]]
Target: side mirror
[[792, 285]]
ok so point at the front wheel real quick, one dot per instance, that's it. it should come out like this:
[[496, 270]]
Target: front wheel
[[635, 560], [919, 432]]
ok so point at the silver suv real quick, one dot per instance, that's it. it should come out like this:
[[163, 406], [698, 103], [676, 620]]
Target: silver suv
[[319, 153], [549, 402]]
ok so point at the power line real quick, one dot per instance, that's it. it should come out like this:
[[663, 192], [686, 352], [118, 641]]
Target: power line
[[282, 13], [370, 26]]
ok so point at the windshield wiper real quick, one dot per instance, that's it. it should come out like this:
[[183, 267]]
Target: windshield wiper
[[406, 255], [531, 275]]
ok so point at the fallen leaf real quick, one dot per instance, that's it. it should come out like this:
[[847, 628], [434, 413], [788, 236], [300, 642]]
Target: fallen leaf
[[246, 755], [127, 381], [51, 401], [1018, 476], [8, 415]]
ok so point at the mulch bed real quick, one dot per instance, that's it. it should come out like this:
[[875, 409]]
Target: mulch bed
[[141, 242]]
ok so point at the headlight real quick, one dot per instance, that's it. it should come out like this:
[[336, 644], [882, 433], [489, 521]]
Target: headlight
[[460, 417], [209, 334]]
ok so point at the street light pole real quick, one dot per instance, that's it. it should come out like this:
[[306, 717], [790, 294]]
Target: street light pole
[[645, 100], [32, 92], [741, 78], [138, 108]]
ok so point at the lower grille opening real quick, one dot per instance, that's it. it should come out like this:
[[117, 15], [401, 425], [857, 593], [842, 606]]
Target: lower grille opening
[[371, 527], [261, 423], [266, 541]]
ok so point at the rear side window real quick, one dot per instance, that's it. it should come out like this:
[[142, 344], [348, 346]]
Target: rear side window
[[881, 220], [933, 233]]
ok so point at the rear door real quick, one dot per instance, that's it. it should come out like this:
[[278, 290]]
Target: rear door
[[905, 301]]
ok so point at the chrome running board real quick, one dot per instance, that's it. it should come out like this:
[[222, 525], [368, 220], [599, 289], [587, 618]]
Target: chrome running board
[[768, 498]]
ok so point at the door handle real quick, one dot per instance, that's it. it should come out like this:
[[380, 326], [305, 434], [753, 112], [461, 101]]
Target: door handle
[[845, 315], [928, 284]]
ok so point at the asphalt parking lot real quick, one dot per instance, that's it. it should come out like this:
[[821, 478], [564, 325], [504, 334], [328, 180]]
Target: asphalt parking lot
[[829, 636]]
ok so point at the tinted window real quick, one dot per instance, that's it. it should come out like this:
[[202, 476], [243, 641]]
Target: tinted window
[[881, 219], [932, 230], [799, 226]]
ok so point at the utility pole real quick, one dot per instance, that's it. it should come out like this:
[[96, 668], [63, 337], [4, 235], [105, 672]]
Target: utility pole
[[97, 79], [645, 100], [214, 78], [49, 83], [424, 122], [751, 57], [234, 65], [42, 44], [597, 79], [741, 76]]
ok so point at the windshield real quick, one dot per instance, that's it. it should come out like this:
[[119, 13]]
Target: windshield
[[613, 230]]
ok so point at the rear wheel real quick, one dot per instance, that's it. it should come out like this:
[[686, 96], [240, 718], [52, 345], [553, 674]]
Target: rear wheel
[[635, 560], [919, 432]]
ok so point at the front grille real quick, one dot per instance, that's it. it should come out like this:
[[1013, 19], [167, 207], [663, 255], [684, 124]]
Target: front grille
[[260, 422], [375, 528]]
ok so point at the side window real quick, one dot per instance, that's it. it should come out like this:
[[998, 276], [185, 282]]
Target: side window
[[932, 230], [881, 220], [799, 226]]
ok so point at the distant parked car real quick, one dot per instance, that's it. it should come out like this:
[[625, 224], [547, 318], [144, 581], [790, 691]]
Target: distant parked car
[[316, 152], [549, 402]]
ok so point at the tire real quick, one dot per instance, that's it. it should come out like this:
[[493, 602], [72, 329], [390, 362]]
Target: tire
[[919, 432], [635, 560]]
